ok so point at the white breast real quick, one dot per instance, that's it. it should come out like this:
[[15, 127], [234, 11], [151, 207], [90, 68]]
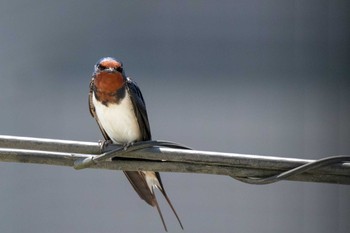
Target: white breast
[[118, 120]]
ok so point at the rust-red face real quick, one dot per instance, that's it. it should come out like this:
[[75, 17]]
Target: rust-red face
[[109, 75]]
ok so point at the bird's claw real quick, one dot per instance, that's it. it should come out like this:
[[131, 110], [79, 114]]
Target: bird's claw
[[127, 145], [104, 144]]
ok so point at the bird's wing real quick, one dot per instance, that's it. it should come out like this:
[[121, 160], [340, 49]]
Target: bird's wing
[[138, 178], [139, 107], [93, 112]]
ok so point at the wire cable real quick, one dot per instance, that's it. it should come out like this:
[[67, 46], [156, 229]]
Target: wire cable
[[307, 167], [295, 171]]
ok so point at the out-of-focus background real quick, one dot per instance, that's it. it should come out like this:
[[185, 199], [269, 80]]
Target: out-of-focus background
[[255, 77]]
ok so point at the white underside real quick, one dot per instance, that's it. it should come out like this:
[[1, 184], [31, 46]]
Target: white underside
[[118, 120], [120, 123]]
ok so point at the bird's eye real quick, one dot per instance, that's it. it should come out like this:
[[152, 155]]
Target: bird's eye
[[119, 69], [101, 67]]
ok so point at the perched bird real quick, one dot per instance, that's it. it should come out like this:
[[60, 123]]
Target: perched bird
[[116, 103]]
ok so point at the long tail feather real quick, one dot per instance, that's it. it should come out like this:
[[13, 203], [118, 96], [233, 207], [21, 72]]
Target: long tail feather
[[144, 183], [160, 213], [172, 207]]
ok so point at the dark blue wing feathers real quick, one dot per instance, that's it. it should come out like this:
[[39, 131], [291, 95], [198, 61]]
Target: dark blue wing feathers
[[140, 109]]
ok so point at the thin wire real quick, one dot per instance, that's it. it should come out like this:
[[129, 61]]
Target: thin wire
[[295, 171]]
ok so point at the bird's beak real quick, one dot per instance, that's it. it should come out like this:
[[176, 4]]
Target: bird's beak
[[109, 70]]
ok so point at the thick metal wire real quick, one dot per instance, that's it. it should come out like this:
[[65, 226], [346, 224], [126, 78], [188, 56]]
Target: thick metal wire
[[172, 157]]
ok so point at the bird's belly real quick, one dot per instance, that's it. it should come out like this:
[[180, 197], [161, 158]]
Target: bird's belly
[[119, 121]]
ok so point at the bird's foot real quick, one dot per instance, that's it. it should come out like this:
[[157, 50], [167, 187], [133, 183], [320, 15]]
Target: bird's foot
[[104, 144], [127, 145]]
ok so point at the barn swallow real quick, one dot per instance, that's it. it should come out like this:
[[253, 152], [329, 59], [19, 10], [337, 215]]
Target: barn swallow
[[117, 104]]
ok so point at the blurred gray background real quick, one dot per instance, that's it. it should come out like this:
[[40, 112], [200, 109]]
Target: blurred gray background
[[254, 77]]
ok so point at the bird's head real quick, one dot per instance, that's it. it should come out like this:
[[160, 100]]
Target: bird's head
[[109, 75]]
